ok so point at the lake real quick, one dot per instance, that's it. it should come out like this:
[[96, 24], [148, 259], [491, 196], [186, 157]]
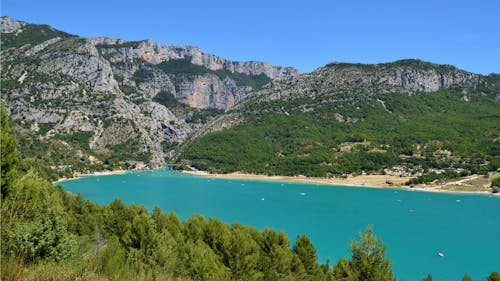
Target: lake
[[415, 226]]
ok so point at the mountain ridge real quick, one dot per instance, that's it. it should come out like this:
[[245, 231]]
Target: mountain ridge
[[77, 86], [111, 102], [407, 118]]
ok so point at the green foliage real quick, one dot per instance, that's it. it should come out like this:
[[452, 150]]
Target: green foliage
[[434, 176], [467, 277], [496, 182], [494, 276], [368, 259], [183, 68], [428, 278], [44, 238], [9, 156], [9, 84], [306, 253], [80, 139], [241, 79], [127, 150], [412, 131], [168, 100], [31, 34]]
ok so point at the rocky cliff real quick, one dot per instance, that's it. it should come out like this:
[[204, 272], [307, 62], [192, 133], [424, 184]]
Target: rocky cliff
[[116, 95]]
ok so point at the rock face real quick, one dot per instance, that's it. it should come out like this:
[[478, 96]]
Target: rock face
[[9, 25], [354, 82], [155, 53], [119, 91]]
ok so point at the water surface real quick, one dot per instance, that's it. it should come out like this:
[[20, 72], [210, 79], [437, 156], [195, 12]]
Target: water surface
[[415, 226]]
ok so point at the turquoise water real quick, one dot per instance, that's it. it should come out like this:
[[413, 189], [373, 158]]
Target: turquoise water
[[415, 226]]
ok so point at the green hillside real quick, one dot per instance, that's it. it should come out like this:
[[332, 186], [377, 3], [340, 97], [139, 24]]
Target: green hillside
[[421, 132]]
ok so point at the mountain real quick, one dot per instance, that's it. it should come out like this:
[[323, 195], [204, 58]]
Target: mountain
[[103, 103], [88, 102], [408, 117]]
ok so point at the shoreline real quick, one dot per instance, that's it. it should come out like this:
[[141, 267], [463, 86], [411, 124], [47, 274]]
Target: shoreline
[[100, 173], [366, 181]]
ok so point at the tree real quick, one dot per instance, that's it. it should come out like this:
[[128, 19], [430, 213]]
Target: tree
[[495, 185], [368, 258], [342, 271], [44, 238], [494, 276], [428, 278], [467, 277], [307, 254], [9, 155]]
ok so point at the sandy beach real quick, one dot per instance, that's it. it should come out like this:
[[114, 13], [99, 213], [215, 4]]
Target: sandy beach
[[370, 181], [100, 173]]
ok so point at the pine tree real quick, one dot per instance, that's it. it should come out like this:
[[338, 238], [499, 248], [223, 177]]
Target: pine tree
[[368, 258], [307, 254], [494, 276], [9, 155], [467, 277]]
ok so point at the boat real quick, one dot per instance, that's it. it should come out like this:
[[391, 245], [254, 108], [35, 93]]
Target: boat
[[441, 254]]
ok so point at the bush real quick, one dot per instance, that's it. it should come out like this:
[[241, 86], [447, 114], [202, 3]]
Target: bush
[[45, 238]]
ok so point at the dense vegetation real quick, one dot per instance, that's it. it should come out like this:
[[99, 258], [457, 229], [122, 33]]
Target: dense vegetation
[[65, 153], [424, 133], [31, 34]]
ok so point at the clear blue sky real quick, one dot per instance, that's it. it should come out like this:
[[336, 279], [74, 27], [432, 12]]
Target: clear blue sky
[[304, 34]]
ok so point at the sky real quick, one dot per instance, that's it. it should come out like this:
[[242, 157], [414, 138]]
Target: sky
[[304, 34]]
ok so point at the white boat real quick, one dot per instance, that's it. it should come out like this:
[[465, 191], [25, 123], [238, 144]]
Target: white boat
[[441, 254]]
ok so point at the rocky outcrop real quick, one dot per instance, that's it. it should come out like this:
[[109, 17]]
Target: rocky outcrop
[[9, 25], [354, 82], [208, 91], [155, 53]]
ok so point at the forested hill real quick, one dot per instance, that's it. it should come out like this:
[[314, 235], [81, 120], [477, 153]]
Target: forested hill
[[408, 117]]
